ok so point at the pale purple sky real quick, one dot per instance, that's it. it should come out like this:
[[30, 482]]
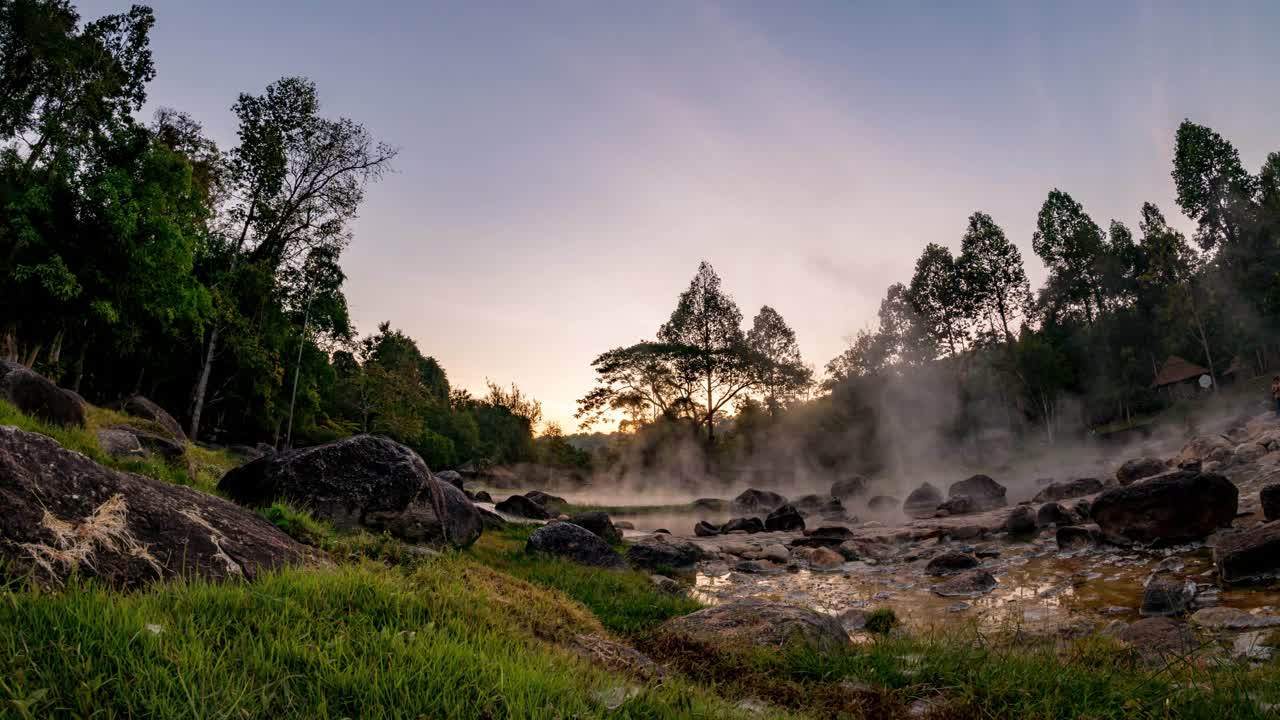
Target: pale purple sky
[[565, 165]]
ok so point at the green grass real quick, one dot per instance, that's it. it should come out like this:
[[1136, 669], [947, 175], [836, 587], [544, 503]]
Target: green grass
[[626, 602], [447, 639]]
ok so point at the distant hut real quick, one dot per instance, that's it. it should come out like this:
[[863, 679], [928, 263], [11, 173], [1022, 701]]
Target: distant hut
[[1179, 377]]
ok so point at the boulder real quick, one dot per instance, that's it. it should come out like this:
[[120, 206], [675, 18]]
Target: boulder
[[784, 519], [157, 444], [987, 494], [1071, 537], [120, 443], [828, 535], [652, 554], [760, 623], [546, 500], [453, 477], [483, 497], [958, 505], [1206, 448], [1251, 556], [1248, 452], [1270, 497], [598, 523], [1083, 508], [705, 529], [972, 584], [1166, 595], [950, 563], [745, 524], [363, 481], [140, 407], [521, 506], [1183, 505], [1229, 618], [37, 396], [849, 488], [1053, 514], [924, 500], [1022, 521], [575, 543], [758, 502], [883, 503], [1157, 636], [820, 557], [1139, 468], [64, 514], [1068, 490]]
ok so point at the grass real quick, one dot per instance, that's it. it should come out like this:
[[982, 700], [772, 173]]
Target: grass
[[625, 602]]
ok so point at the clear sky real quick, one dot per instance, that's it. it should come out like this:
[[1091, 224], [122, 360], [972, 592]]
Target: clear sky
[[565, 165]]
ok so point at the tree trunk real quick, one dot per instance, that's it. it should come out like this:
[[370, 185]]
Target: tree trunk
[[202, 385], [75, 385], [297, 370], [1204, 343]]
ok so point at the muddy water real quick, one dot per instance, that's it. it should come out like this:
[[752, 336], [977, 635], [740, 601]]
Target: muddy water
[[1037, 587]]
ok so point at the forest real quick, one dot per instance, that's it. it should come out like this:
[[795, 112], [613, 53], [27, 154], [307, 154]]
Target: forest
[[142, 258]]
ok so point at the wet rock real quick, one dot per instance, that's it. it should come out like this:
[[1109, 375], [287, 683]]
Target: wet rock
[[825, 536], [760, 623], [120, 443], [1183, 505], [453, 477], [950, 563], [1157, 636], [923, 501], [364, 481], [705, 529], [39, 397], [1206, 448], [1270, 497], [521, 506], [758, 502], [598, 523], [820, 557], [883, 503], [1068, 490], [653, 554], [483, 496], [1166, 595], [849, 488], [972, 584], [546, 500], [140, 407], [575, 543], [1022, 521], [1251, 556], [1083, 509], [784, 519], [65, 514], [1139, 468], [747, 524], [1051, 514], [1074, 537], [987, 494], [749, 567], [1229, 618]]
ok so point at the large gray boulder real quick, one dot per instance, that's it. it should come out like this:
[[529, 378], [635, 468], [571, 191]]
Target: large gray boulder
[[140, 407], [923, 501], [1251, 556], [1183, 505], [64, 514], [987, 494], [39, 397], [598, 522], [760, 623], [574, 543], [655, 554], [362, 481]]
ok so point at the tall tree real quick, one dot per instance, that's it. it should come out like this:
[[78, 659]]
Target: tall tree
[[1071, 245], [783, 374], [1173, 272], [940, 299], [1213, 187], [993, 273]]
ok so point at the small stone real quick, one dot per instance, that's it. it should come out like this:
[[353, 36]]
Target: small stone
[[1252, 646], [973, 584], [950, 563], [1165, 596]]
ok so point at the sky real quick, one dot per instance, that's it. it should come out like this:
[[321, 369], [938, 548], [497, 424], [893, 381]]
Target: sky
[[564, 166]]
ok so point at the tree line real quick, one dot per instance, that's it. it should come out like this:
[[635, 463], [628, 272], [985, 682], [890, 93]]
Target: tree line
[[141, 257], [1080, 352]]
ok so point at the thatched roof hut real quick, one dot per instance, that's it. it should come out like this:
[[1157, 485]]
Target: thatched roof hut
[[1176, 370]]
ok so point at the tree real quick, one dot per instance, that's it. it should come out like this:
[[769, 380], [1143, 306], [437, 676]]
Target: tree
[[993, 273], [1071, 245], [1213, 187], [297, 180], [783, 375], [638, 381], [940, 300]]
